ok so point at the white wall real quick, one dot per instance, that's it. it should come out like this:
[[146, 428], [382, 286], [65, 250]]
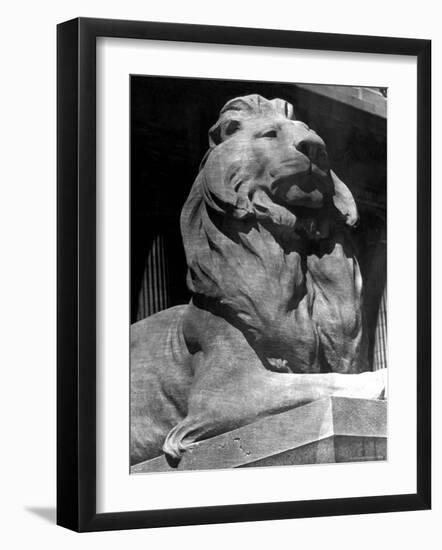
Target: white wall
[[27, 287]]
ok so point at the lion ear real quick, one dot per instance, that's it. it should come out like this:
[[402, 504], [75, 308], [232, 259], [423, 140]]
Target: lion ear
[[344, 201], [215, 135], [222, 130]]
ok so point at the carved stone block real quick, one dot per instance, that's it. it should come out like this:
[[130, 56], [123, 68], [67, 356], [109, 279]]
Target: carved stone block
[[335, 429]]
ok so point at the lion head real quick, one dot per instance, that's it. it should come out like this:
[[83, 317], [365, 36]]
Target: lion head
[[264, 163], [264, 204]]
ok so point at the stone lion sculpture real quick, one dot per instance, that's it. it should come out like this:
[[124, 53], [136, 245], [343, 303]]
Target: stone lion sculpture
[[275, 319]]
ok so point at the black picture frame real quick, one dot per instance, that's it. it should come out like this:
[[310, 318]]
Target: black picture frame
[[76, 273]]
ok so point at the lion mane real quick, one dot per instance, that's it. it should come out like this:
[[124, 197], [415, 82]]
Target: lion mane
[[267, 269]]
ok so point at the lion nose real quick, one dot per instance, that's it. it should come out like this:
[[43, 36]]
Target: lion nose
[[312, 146]]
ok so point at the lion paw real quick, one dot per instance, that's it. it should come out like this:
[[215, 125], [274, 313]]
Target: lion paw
[[374, 384], [367, 385]]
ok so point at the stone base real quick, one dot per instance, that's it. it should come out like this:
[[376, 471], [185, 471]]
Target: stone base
[[334, 429]]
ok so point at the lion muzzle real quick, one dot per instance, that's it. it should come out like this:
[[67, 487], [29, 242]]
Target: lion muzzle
[[301, 184]]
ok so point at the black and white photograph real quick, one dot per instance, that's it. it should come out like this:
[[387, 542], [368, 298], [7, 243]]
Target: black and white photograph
[[258, 274]]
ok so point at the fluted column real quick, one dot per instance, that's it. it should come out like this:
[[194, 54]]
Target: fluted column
[[153, 295], [380, 342]]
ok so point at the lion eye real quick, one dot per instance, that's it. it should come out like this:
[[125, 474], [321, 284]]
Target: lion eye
[[270, 134]]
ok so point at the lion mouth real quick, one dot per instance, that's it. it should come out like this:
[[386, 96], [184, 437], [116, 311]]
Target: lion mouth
[[303, 188], [299, 190]]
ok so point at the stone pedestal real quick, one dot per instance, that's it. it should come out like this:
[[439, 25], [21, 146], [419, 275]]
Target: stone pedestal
[[334, 429]]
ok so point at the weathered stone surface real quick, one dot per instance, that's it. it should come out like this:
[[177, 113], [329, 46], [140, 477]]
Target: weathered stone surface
[[334, 429], [276, 316]]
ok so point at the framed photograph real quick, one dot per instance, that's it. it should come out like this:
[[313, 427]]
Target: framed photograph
[[243, 274]]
